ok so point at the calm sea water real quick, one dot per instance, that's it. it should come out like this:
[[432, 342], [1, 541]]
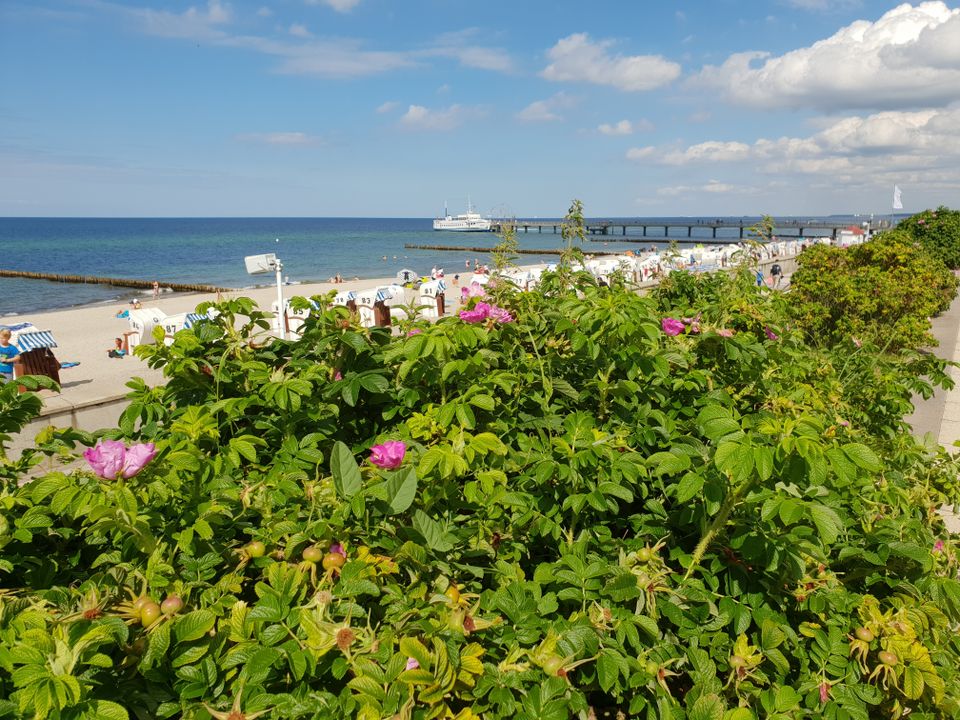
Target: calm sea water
[[211, 251]]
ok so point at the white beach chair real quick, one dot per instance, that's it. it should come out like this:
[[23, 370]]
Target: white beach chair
[[142, 323]]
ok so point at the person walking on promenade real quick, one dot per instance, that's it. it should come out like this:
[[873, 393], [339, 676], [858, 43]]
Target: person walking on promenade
[[759, 277], [776, 274], [8, 355]]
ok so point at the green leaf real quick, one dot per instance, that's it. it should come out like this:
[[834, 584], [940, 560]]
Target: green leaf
[[828, 523], [763, 460], [863, 457], [401, 490], [346, 472], [912, 682], [484, 402], [158, 642], [689, 485], [707, 707], [431, 531], [608, 670], [106, 710], [194, 625]]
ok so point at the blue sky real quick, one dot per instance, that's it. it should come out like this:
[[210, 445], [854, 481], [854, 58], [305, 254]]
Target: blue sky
[[389, 107]]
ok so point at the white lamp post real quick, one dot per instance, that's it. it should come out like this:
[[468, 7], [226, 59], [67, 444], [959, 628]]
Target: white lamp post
[[260, 264]]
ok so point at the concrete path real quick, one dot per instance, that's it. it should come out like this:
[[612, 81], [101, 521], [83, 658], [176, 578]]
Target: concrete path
[[939, 416]]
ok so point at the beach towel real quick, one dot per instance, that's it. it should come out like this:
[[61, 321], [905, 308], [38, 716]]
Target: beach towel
[[69, 364]]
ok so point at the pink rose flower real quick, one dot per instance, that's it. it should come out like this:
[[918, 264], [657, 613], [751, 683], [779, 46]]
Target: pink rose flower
[[412, 664], [337, 375], [938, 547], [500, 315], [337, 549], [388, 455], [415, 331], [725, 332], [472, 290], [479, 313], [771, 335], [672, 326], [111, 458], [137, 458]]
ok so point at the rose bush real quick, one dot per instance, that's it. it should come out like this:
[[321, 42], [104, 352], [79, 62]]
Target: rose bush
[[591, 516], [885, 290]]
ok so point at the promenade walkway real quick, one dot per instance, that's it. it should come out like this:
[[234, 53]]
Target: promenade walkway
[[939, 416]]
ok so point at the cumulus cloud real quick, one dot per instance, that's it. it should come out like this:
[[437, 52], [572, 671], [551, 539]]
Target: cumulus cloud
[[908, 58], [547, 110], [387, 106], [418, 117], [280, 138], [577, 58], [921, 146], [625, 127]]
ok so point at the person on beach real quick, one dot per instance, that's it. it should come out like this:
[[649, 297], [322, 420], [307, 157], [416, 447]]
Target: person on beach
[[759, 277], [8, 355], [156, 290], [117, 350]]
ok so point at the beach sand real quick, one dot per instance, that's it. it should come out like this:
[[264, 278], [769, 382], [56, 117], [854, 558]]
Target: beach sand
[[85, 334]]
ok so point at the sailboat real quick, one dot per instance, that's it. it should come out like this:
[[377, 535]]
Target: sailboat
[[470, 221]]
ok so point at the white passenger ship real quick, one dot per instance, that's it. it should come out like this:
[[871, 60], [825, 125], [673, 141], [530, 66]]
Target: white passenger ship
[[470, 221]]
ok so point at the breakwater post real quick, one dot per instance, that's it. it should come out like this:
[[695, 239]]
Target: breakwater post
[[116, 282]]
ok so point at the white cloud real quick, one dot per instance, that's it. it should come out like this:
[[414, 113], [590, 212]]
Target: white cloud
[[922, 147], [712, 186], [710, 151], [910, 57], [625, 127], [547, 110], [341, 6], [280, 138], [303, 55], [264, 12], [418, 117], [298, 30], [641, 153], [387, 107], [824, 5], [191, 24], [461, 46], [576, 58]]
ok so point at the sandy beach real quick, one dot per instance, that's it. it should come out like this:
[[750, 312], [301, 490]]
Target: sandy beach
[[85, 334]]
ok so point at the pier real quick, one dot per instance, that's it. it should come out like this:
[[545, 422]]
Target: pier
[[518, 251], [641, 229]]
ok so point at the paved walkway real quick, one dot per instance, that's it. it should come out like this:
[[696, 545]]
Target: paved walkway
[[939, 416]]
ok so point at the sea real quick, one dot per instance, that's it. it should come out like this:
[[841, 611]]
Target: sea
[[211, 251]]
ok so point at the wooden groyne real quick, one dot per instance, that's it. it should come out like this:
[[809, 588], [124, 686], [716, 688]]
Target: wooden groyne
[[520, 251], [116, 282]]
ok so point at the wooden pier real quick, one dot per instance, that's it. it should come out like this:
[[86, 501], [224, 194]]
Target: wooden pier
[[698, 230], [486, 250]]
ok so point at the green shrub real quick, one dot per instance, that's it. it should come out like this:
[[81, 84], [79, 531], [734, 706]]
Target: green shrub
[[883, 291], [591, 518], [938, 231]]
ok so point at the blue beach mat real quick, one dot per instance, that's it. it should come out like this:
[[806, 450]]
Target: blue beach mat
[[68, 365]]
